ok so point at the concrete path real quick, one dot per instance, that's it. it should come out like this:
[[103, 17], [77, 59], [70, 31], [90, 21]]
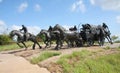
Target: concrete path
[[10, 63]]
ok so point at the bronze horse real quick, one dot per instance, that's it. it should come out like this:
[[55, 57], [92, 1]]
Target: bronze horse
[[68, 36], [49, 36], [91, 33], [20, 38]]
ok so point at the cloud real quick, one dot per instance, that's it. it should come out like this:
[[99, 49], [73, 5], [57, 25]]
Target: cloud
[[107, 4], [22, 7], [92, 2], [118, 19], [3, 28], [37, 7], [16, 27], [2, 23], [32, 29], [78, 6], [67, 27]]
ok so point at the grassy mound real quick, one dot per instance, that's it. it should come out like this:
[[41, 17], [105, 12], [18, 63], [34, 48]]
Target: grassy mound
[[88, 62]]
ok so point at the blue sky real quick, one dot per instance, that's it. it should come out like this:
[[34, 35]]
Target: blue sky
[[40, 14]]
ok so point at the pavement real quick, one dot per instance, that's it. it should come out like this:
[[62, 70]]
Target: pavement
[[10, 63]]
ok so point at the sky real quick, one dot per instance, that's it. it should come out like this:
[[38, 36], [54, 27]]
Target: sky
[[40, 14]]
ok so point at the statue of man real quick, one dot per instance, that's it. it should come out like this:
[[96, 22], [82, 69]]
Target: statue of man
[[50, 28], [105, 26], [25, 32]]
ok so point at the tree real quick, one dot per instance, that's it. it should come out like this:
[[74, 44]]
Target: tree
[[114, 38]]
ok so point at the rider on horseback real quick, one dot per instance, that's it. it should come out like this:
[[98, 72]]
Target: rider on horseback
[[105, 27], [25, 32]]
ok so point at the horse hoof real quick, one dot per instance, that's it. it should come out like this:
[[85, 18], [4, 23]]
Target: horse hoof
[[33, 48], [40, 47]]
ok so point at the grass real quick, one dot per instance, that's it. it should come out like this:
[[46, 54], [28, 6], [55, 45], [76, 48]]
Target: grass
[[12, 46], [107, 47], [81, 62], [43, 56]]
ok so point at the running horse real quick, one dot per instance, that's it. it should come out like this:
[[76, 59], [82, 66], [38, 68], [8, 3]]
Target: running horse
[[107, 33], [20, 38], [91, 33], [49, 36], [69, 36]]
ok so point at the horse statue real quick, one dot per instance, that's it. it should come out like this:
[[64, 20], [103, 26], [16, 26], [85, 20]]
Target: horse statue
[[107, 33], [91, 33], [73, 28], [68, 36], [49, 36], [20, 38]]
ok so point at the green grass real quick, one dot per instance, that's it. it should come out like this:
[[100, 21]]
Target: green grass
[[107, 47], [13, 46], [43, 56], [81, 62]]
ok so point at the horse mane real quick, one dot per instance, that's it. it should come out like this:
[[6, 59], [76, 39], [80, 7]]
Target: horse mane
[[18, 32], [60, 27]]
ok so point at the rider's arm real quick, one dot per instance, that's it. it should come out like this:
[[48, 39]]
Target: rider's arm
[[21, 29]]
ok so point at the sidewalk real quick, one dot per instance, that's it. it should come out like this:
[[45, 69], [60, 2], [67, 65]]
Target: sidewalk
[[15, 64]]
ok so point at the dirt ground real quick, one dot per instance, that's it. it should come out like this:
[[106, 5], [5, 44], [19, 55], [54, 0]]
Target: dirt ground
[[17, 61]]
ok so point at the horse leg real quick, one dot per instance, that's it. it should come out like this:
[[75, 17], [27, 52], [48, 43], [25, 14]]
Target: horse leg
[[102, 41], [47, 44], [39, 45], [57, 46], [68, 43], [24, 45], [88, 42], [109, 39], [61, 43], [33, 47], [50, 43], [19, 45]]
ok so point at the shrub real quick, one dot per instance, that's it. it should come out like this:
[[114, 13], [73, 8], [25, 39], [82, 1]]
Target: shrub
[[117, 41], [4, 39]]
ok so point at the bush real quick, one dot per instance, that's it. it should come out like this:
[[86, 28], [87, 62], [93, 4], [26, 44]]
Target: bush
[[41, 37], [117, 41], [4, 39]]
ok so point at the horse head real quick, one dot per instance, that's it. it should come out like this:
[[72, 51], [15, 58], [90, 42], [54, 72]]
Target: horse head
[[43, 31], [12, 33], [73, 28], [60, 28]]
